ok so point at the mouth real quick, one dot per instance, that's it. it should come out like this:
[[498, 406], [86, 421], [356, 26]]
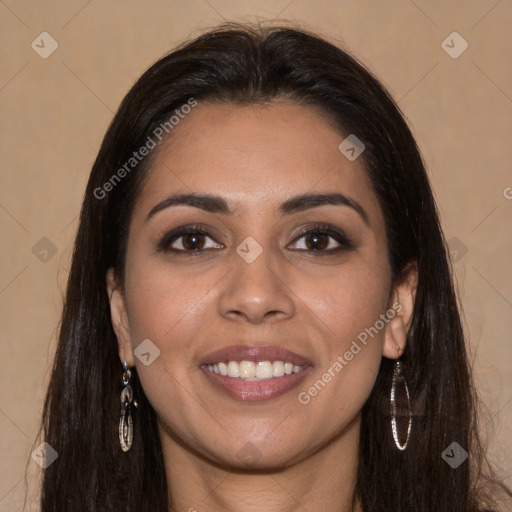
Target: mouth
[[255, 373]]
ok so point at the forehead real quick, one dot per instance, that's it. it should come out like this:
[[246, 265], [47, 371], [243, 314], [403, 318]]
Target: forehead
[[255, 155]]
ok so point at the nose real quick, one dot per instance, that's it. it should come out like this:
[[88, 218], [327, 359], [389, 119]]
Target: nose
[[256, 292]]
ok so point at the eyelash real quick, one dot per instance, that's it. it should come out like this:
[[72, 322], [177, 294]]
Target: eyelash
[[338, 235]]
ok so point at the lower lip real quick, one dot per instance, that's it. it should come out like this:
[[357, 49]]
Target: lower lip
[[253, 390]]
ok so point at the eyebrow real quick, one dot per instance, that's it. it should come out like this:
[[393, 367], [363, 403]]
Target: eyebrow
[[217, 204]]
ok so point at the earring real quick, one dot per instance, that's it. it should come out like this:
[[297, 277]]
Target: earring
[[400, 406], [125, 420]]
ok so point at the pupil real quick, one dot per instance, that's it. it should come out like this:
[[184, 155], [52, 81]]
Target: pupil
[[317, 239], [192, 240]]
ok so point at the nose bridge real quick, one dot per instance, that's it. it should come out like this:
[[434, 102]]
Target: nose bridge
[[255, 286], [253, 262]]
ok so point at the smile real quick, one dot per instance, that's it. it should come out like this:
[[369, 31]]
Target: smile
[[254, 371]]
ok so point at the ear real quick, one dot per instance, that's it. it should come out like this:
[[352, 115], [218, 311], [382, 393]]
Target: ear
[[400, 311], [119, 318]]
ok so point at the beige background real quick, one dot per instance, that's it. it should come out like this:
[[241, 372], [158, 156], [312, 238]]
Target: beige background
[[54, 113]]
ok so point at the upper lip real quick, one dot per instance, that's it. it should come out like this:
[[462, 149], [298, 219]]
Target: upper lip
[[254, 353]]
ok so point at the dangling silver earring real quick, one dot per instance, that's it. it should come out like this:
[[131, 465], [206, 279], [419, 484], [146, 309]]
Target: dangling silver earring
[[400, 406], [125, 420]]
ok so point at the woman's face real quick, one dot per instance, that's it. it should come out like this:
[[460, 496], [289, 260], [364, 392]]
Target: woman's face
[[245, 284]]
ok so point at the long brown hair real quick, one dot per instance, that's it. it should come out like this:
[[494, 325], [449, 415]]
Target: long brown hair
[[247, 64]]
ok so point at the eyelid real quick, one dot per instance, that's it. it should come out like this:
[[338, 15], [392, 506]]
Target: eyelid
[[179, 232], [346, 242], [341, 237]]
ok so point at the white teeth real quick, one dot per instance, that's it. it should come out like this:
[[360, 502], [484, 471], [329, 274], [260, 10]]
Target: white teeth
[[278, 368], [248, 370], [264, 370], [233, 369]]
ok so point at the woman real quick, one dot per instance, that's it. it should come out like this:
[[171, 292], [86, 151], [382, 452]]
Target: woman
[[260, 312]]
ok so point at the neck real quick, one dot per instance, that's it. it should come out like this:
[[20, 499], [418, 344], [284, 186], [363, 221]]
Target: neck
[[324, 480]]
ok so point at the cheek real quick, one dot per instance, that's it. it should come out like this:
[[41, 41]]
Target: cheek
[[166, 306], [349, 301], [348, 312], [172, 307]]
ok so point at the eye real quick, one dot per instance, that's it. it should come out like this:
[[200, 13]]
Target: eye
[[323, 239], [319, 239], [187, 239]]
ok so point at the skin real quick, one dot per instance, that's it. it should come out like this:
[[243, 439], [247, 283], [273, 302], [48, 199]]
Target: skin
[[256, 157]]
